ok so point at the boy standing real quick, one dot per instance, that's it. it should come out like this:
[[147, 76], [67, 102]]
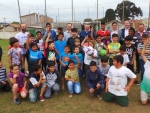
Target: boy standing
[[37, 82], [116, 82], [113, 48], [95, 80]]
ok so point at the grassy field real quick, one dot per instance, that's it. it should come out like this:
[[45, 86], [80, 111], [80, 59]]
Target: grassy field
[[82, 103]]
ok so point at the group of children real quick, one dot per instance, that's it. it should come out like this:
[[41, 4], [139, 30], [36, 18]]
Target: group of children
[[71, 60]]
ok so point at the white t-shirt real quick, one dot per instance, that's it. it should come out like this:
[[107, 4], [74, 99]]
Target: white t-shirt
[[87, 58], [22, 37], [118, 80], [125, 58]]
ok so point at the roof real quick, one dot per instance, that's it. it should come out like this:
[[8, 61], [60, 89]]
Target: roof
[[114, 21], [29, 14], [38, 27], [15, 25]]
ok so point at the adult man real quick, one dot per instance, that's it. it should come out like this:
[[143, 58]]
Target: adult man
[[125, 31], [67, 34], [138, 35], [102, 31], [49, 30], [116, 31], [87, 31]]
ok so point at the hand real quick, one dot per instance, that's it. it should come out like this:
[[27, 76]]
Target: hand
[[15, 76], [49, 35], [25, 90], [3, 82], [64, 65], [149, 95], [132, 63], [76, 57], [86, 37], [41, 75], [91, 91], [72, 80], [34, 86], [127, 88], [98, 86], [106, 89]]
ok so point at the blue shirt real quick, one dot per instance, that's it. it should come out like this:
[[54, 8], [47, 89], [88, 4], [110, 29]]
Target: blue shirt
[[65, 57], [53, 34], [83, 34], [80, 57], [59, 45], [34, 56]]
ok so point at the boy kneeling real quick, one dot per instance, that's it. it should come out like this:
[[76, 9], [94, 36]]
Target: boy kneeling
[[95, 80], [37, 81], [116, 82]]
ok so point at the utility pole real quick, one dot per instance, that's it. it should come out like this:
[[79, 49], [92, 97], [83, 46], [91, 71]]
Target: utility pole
[[56, 18], [19, 12], [4, 21], [97, 14], [123, 12], [88, 12], [74, 15], [45, 13], [103, 12], [72, 10]]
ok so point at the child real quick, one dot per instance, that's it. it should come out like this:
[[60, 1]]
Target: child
[[59, 45], [76, 55], [125, 56], [95, 80], [77, 44], [37, 82], [52, 81], [4, 84], [19, 83], [71, 40], [15, 53], [59, 30], [99, 46], [64, 59], [34, 56], [104, 66], [145, 84], [88, 58], [106, 40], [145, 37], [113, 48], [116, 82], [72, 78], [1, 53]]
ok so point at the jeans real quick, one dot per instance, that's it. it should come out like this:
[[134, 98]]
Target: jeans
[[98, 91], [33, 93], [137, 62], [6, 87], [142, 68], [74, 87]]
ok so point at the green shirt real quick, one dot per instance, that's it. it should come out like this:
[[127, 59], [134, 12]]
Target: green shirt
[[113, 46]]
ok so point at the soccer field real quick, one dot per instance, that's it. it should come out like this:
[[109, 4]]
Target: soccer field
[[82, 103]]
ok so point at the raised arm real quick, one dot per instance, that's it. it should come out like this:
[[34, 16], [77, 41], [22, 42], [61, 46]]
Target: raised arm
[[143, 52]]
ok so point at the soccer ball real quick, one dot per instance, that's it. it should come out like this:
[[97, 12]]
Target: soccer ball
[[90, 50], [102, 52]]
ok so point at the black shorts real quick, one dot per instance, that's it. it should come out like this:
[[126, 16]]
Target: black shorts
[[63, 70]]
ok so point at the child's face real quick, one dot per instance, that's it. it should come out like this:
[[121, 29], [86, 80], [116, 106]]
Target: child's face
[[71, 66], [1, 64], [74, 34], [131, 33], [58, 31], [91, 44], [60, 37], [15, 70], [77, 43], [122, 52], [16, 44], [39, 35], [98, 39], [116, 63], [115, 39], [106, 36], [34, 48], [31, 39], [51, 68], [127, 42], [39, 71], [93, 68], [144, 40], [67, 50], [104, 64], [51, 45], [76, 50]]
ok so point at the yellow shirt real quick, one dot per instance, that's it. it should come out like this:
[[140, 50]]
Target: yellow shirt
[[72, 74]]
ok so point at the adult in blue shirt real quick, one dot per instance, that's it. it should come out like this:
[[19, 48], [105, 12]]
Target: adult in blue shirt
[[87, 31], [49, 30]]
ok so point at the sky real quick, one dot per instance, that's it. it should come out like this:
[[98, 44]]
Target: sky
[[9, 8]]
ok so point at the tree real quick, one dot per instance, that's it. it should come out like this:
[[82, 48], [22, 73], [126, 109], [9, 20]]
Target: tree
[[88, 20], [130, 10], [109, 15], [14, 22]]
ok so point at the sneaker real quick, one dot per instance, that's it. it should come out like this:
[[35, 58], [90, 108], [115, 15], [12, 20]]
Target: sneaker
[[42, 99], [70, 95], [99, 97], [136, 82], [55, 93], [16, 101]]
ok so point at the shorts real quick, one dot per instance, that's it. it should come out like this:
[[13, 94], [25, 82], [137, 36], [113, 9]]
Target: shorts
[[20, 89], [144, 96], [63, 70]]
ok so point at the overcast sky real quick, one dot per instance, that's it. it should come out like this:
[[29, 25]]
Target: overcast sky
[[9, 8]]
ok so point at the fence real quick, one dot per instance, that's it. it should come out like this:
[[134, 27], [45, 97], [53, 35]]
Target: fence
[[7, 35]]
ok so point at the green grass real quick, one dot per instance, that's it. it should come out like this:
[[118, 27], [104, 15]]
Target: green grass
[[82, 103]]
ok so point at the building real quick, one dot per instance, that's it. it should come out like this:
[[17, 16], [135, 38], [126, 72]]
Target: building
[[10, 28], [109, 25], [35, 19]]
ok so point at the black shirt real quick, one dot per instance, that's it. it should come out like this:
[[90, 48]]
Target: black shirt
[[50, 54], [130, 51]]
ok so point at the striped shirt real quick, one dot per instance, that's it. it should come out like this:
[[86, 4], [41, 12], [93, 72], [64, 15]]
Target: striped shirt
[[140, 47], [3, 74]]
